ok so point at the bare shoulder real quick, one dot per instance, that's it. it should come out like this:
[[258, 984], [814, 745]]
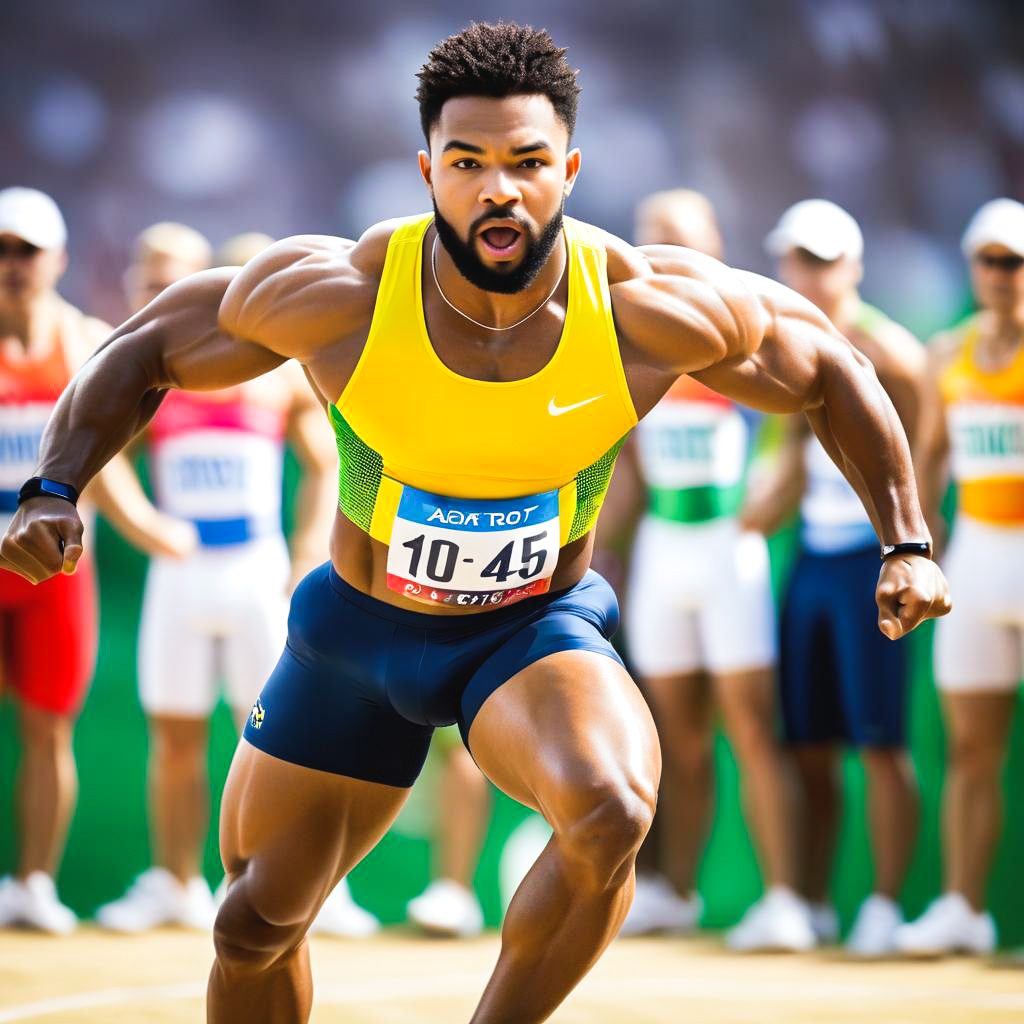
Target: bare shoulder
[[944, 347], [305, 292], [900, 354], [686, 310]]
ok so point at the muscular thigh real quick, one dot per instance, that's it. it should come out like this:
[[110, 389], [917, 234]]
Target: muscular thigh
[[295, 831], [564, 727]]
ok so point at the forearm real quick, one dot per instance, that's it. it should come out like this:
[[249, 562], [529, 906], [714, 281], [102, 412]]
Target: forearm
[[859, 427], [109, 401]]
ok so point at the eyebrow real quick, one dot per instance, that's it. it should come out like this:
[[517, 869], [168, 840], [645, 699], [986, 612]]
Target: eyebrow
[[468, 147]]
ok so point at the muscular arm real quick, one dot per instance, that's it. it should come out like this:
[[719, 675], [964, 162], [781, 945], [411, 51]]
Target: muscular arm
[[191, 337], [804, 365]]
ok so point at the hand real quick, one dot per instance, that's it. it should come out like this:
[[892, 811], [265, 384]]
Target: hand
[[172, 537], [910, 589], [44, 538]]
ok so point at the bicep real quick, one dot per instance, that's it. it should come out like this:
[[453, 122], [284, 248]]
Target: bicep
[[177, 342]]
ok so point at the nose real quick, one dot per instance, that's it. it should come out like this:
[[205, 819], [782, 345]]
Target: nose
[[500, 190]]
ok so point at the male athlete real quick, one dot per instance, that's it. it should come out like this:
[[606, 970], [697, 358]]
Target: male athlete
[[706, 636], [481, 366], [48, 633], [974, 428], [841, 681]]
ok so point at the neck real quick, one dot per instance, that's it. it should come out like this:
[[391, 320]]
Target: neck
[[1006, 324], [29, 322], [494, 308]]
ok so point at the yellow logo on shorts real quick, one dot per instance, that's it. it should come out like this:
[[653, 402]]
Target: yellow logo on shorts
[[257, 715]]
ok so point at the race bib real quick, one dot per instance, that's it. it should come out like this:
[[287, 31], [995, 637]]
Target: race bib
[[469, 552]]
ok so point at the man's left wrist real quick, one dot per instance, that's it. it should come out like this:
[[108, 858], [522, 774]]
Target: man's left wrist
[[921, 548]]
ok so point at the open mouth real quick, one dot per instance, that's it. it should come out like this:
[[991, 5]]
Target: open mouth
[[501, 242]]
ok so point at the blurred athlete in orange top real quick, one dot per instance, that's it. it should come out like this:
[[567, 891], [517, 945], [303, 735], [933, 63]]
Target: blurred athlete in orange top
[[975, 427]]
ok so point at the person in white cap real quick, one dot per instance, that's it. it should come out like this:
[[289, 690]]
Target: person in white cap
[[841, 682], [49, 630], [974, 432], [702, 638], [216, 459]]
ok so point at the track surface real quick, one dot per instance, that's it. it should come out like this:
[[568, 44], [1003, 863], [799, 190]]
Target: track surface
[[159, 978]]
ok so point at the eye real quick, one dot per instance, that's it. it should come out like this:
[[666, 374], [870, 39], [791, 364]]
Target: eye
[[467, 163], [531, 163]]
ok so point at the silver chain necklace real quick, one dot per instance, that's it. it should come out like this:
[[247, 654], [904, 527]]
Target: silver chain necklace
[[487, 327]]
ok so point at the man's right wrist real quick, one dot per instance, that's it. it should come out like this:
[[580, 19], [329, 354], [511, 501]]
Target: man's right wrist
[[43, 487]]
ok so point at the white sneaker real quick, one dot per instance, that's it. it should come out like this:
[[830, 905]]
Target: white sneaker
[[779, 922], [447, 907], [948, 925], [825, 922], [657, 907], [874, 928], [33, 903], [342, 916], [157, 898]]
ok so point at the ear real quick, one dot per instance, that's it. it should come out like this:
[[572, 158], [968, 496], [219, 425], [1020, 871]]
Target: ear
[[424, 160], [573, 161]]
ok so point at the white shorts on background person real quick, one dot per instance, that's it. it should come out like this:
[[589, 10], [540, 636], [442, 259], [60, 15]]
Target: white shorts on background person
[[699, 598], [979, 645], [221, 614]]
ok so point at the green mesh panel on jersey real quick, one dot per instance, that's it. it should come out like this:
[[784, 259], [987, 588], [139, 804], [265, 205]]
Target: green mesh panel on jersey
[[591, 484], [359, 472]]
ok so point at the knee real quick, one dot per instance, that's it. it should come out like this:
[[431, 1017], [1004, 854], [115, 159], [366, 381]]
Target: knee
[[690, 753], [604, 835], [46, 733], [975, 758], [244, 940]]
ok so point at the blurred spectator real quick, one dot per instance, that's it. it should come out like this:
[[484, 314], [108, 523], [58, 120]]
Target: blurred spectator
[[842, 682], [976, 425]]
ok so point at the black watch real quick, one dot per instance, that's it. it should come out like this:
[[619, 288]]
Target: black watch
[[912, 547], [38, 487]]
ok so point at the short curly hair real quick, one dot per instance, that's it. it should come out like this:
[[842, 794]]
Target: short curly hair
[[497, 60]]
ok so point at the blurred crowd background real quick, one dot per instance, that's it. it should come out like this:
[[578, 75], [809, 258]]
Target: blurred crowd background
[[298, 116]]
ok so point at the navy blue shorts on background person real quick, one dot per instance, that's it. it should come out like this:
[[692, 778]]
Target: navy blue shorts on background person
[[841, 680], [362, 684]]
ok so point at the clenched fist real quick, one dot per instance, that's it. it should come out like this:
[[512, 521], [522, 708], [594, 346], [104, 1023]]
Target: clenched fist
[[44, 538], [911, 588]]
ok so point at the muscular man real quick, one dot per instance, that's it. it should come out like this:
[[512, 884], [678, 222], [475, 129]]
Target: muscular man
[[221, 612], [975, 425], [481, 366], [701, 629], [49, 631], [842, 682]]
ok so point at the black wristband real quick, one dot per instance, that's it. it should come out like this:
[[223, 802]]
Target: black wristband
[[912, 547], [38, 487]]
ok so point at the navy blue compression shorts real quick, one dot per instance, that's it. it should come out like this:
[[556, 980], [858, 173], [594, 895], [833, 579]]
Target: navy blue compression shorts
[[841, 679], [362, 684]]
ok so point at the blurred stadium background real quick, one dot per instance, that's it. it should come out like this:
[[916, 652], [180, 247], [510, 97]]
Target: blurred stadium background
[[297, 116]]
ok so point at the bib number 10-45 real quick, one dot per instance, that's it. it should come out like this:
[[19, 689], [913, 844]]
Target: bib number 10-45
[[466, 552]]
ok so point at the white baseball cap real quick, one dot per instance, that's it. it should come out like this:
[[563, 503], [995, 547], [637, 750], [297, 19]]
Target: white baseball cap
[[820, 227], [32, 216], [998, 222]]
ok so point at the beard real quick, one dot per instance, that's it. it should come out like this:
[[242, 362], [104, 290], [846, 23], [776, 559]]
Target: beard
[[505, 282]]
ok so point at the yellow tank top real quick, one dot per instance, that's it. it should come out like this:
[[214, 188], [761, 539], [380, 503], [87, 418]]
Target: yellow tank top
[[406, 422], [985, 412]]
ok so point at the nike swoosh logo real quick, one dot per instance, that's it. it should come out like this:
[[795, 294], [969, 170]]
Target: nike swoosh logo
[[558, 410]]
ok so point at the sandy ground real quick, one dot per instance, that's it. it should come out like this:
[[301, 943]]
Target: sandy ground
[[159, 978]]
